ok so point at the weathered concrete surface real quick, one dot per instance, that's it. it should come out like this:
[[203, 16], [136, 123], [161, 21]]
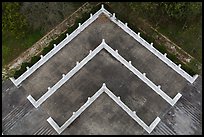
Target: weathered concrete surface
[[89, 39], [34, 119], [172, 120], [12, 97], [185, 118], [74, 93], [14, 105], [104, 117], [133, 92]]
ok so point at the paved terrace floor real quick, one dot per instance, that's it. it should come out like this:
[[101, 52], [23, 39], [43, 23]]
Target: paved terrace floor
[[104, 117], [103, 68], [51, 72], [132, 91], [101, 118]]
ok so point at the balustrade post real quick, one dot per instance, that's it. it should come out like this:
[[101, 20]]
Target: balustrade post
[[103, 40], [138, 34], [179, 66], [102, 6], [114, 16], [77, 63], [165, 54], [67, 34], [90, 51]]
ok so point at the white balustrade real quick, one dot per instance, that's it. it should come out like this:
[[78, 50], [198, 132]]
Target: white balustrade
[[55, 50], [103, 89], [152, 49]]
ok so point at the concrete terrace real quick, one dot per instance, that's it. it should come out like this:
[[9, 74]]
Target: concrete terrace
[[103, 116], [79, 47]]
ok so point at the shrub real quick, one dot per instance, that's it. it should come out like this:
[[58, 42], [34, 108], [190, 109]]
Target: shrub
[[34, 59], [24, 65]]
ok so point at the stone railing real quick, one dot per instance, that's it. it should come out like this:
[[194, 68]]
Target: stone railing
[[150, 47], [143, 77], [45, 40], [125, 27], [90, 100], [91, 55], [55, 49], [64, 79]]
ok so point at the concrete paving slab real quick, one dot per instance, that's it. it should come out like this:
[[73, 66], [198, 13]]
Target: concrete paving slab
[[30, 123], [104, 117], [79, 47], [12, 97], [74, 93]]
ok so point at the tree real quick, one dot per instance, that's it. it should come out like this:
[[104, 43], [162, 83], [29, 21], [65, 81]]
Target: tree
[[13, 22], [182, 10], [175, 11]]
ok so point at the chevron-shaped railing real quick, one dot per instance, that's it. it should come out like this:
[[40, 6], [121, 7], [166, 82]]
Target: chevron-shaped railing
[[92, 54], [114, 53], [125, 27], [90, 100]]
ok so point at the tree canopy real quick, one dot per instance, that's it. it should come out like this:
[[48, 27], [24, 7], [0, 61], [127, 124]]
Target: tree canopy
[[179, 11], [13, 22]]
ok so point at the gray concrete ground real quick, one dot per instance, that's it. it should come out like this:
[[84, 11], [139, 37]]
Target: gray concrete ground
[[185, 118], [133, 92], [103, 116], [89, 39]]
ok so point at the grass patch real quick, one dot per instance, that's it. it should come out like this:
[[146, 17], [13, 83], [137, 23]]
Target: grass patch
[[189, 39], [187, 67], [12, 48], [24, 65], [34, 59], [190, 68]]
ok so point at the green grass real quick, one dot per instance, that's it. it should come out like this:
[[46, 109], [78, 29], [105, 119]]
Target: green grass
[[190, 68], [189, 39], [26, 64], [34, 59], [12, 48], [120, 14]]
